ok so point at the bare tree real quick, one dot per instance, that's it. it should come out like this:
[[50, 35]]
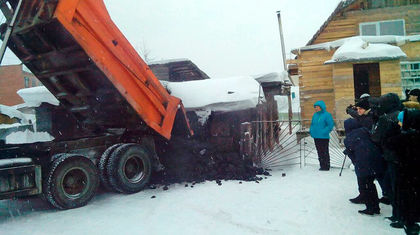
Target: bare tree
[[145, 52]]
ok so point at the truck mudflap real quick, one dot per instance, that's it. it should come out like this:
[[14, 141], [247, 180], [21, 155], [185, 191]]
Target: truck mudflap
[[19, 177]]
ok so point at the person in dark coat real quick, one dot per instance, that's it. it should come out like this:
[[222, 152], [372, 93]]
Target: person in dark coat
[[321, 126], [407, 147], [364, 118], [388, 108], [368, 163]]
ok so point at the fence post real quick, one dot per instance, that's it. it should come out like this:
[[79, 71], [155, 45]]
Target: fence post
[[246, 140]]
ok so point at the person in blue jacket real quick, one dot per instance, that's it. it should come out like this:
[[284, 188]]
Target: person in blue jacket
[[321, 126]]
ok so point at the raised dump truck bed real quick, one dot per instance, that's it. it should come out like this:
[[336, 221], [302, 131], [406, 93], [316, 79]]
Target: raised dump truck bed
[[82, 58], [79, 54]]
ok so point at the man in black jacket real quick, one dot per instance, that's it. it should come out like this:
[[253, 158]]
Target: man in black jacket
[[368, 163], [364, 118], [407, 147], [389, 107]]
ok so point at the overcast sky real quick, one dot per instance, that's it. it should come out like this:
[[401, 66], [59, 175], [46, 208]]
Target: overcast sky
[[223, 37]]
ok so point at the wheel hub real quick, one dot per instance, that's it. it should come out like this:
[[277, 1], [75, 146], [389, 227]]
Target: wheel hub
[[134, 169], [74, 182]]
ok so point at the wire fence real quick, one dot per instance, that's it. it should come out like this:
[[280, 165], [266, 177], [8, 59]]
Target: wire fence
[[272, 144]]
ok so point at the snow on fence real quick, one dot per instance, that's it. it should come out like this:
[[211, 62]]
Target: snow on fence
[[272, 144]]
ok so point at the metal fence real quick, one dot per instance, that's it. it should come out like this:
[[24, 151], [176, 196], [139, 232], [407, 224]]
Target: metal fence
[[272, 144]]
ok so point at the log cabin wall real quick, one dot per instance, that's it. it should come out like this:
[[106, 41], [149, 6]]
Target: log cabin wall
[[412, 50], [315, 81], [343, 88], [335, 83], [390, 73], [347, 23]]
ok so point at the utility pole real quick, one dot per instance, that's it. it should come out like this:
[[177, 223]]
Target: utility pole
[[289, 89]]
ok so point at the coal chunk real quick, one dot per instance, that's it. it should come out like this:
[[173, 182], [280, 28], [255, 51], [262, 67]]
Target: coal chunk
[[185, 161]]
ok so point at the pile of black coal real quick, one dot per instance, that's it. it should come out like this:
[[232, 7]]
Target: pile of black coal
[[190, 160]]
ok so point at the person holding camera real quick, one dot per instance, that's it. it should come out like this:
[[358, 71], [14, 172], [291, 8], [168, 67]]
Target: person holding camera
[[368, 164]]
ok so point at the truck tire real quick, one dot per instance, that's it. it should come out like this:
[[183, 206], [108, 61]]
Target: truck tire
[[102, 166], [129, 168], [71, 182]]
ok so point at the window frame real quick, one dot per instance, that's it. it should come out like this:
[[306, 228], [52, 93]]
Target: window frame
[[404, 85], [33, 82], [26, 82], [377, 24]]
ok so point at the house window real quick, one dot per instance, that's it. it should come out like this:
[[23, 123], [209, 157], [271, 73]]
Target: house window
[[377, 3], [379, 28], [410, 75], [26, 82], [33, 82]]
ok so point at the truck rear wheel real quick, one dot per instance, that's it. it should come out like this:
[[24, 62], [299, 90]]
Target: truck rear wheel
[[71, 182], [102, 166], [129, 168]]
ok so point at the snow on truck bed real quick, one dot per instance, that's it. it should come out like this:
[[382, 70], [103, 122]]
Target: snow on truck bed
[[12, 113], [27, 137], [224, 94], [34, 96]]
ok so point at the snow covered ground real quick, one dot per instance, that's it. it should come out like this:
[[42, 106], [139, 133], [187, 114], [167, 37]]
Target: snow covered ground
[[305, 201]]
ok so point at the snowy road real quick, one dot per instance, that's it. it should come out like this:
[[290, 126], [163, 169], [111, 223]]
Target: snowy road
[[305, 201]]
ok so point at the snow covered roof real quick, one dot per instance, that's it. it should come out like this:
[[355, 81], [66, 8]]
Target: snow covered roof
[[227, 94], [168, 61], [12, 113], [34, 96], [389, 39], [356, 49], [343, 4], [271, 77]]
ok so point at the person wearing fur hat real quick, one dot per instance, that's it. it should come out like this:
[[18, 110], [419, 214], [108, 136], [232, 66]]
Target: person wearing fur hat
[[413, 99]]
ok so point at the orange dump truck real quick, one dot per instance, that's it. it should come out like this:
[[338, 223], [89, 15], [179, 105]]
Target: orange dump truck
[[81, 57]]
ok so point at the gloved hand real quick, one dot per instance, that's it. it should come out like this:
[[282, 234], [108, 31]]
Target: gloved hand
[[349, 108]]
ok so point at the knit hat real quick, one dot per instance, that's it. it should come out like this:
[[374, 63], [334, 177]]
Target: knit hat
[[415, 92], [363, 103]]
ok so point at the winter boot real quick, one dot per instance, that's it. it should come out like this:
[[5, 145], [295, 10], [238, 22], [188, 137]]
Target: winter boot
[[385, 200], [391, 218], [370, 211], [412, 229], [397, 224], [358, 200]]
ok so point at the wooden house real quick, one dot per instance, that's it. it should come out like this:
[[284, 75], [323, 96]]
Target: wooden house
[[365, 46], [177, 70]]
